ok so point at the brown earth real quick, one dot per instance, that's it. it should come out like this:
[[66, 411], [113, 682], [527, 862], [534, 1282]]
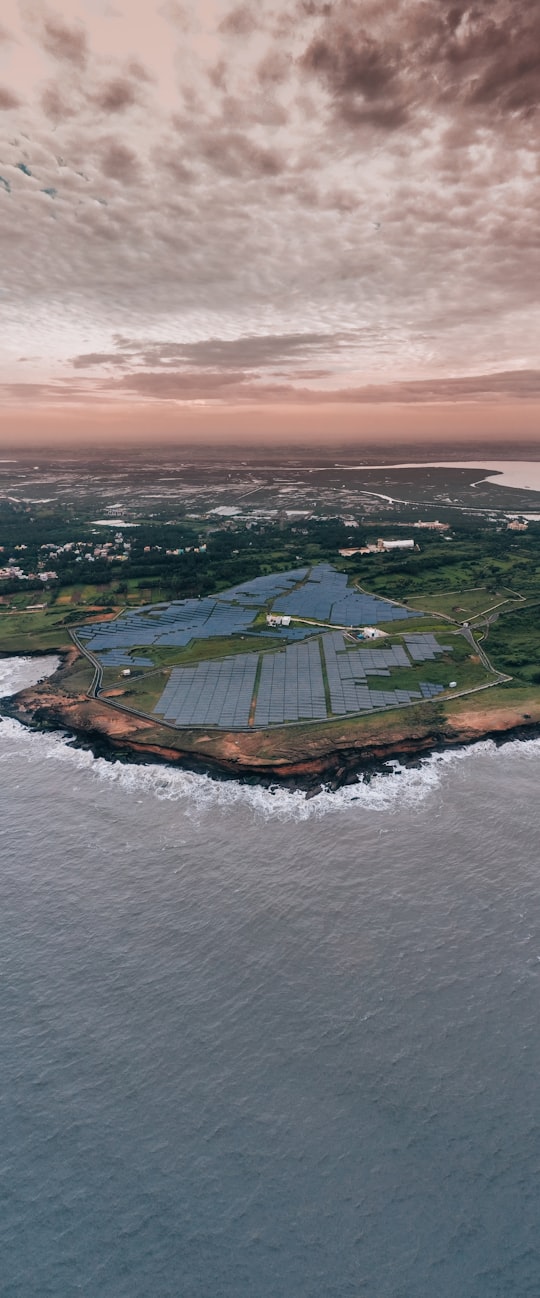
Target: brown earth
[[301, 756]]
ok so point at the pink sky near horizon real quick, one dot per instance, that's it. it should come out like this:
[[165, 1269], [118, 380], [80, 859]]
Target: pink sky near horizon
[[269, 220]]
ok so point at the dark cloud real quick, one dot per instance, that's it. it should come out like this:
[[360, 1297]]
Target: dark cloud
[[362, 71], [119, 162], [64, 42], [241, 21], [505, 385], [251, 352], [240, 386], [235, 154], [524, 384], [115, 95], [183, 385], [137, 70], [382, 63], [46, 392], [55, 105], [8, 99], [237, 385], [90, 359], [274, 67]]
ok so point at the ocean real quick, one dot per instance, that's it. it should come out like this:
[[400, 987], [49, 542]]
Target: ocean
[[254, 1046]]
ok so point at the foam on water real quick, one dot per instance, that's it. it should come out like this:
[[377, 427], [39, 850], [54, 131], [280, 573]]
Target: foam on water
[[18, 673], [401, 786]]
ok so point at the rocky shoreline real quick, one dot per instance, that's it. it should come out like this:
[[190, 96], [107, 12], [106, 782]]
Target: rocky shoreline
[[329, 758]]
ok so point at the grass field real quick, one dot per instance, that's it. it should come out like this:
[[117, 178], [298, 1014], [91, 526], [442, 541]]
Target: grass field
[[201, 650], [463, 605], [142, 692], [513, 643], [22, 632]]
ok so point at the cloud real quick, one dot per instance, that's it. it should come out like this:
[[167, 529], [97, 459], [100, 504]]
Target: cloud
[[382, 64], [240, 21], [119, 162], [235, 154], [232, 384], [507, 385], [116, 95], [90, 359], [55, 105], [184, 385], [65, 43], [237, 386], [244, 353], [312, 202], [8, 99]]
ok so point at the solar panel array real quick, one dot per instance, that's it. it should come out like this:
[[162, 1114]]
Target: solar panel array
[[291, 687], [262, 589], [347, 673], [118, 658], [176, 624], [212, 693], [424, 648], [232, 612], [325, 597]]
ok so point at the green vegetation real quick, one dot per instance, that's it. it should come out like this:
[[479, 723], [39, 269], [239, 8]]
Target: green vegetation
[[200, 650], [513, 644], [142, 692], [33, 632], [486, 563], [463, 605]]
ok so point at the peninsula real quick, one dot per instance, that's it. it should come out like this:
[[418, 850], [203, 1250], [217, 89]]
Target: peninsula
[[341, 642]]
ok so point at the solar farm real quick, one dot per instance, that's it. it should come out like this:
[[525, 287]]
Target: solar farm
[[277, 688], [319, 595], [318, 665]]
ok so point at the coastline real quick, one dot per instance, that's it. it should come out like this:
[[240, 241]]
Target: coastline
[[332, 756]]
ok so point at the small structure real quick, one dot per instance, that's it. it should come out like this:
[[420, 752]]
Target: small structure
[[126, 671], [395, 545], [433, 526], [278, 619], [369, 633]]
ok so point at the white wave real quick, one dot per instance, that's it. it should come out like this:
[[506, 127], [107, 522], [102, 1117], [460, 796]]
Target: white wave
[[198, 794], [18, 673]]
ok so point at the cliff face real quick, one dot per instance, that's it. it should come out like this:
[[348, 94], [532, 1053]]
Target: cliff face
[[301, 757]]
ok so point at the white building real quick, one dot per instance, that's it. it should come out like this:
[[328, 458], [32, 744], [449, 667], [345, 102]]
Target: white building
[[395, 545]]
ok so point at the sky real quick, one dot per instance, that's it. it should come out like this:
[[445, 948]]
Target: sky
[[311, 219]]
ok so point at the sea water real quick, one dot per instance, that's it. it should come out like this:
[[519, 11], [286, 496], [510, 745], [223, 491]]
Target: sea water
[[258, 1047]]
